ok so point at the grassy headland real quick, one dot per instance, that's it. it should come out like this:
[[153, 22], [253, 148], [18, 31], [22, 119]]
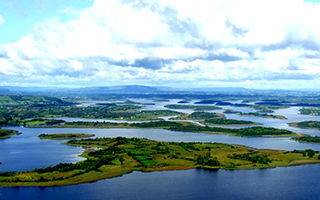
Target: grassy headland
[[121, 155]]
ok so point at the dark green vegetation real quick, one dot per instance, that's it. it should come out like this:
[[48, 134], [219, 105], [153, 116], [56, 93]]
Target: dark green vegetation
[[306, 124], [308, 152], [4, 133], [40, 121], [120, 155], [31, 101], [199, 116], [221, 121], [192, 107], [308, 139], [244, 132], [257, 114], [310, 111], [155, 124], [266, 111], [185, 127], [228, 111], [60, 136], [15, 110]]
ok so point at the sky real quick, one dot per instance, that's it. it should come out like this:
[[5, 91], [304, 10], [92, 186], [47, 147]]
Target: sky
[[260, 44]]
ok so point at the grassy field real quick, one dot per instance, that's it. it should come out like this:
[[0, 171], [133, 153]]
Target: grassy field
[[120, 155]]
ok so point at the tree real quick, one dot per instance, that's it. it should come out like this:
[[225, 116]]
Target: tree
[[310, 153], [121, 159]]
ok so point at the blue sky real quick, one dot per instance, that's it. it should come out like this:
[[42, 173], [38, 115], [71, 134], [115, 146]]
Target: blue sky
[[20, 15], [207, 43]]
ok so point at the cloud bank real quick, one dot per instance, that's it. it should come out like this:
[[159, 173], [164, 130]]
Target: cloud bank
[[257, 44]]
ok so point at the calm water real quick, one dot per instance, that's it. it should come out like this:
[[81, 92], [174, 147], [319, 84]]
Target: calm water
[[294, 183], [26, 151]]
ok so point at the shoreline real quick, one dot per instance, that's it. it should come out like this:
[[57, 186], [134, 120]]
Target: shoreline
[[186, 157], [123, 172]]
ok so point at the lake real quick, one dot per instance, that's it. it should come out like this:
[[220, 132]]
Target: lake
[[26, 152]]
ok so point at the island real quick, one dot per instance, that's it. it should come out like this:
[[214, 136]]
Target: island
[[228, 122], [192, 107], [307, 138], [199, 116], [120, 155], [310, 111], [257, 114], [229, 111], [185, 126], [61, 136], [4, 133], [306, 124]]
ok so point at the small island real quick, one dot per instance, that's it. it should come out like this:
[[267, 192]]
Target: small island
[[199, 116], [306, 124], [118, 156], [257, 114], [61, 136], [228, 122], [192, 107], [4, 133], [310, 111], [307, 138]]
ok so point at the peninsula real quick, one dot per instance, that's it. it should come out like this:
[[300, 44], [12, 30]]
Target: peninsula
[[118, 156]]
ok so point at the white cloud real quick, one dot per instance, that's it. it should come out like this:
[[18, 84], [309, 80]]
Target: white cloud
[[76, 65], [173, 42], [1, 21]]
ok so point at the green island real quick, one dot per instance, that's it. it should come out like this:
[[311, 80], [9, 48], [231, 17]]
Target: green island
[[4, 133], [306, 124], [229, 111], [228, 122], [118, 156], [153, 124], [308, 139], [199, 116], [310, 111], [257, 131], [266, 111], [257, 114], [192, 107], [61, 136], [262, 107]]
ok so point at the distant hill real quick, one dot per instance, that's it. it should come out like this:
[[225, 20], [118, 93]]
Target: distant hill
[[120, 89]]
